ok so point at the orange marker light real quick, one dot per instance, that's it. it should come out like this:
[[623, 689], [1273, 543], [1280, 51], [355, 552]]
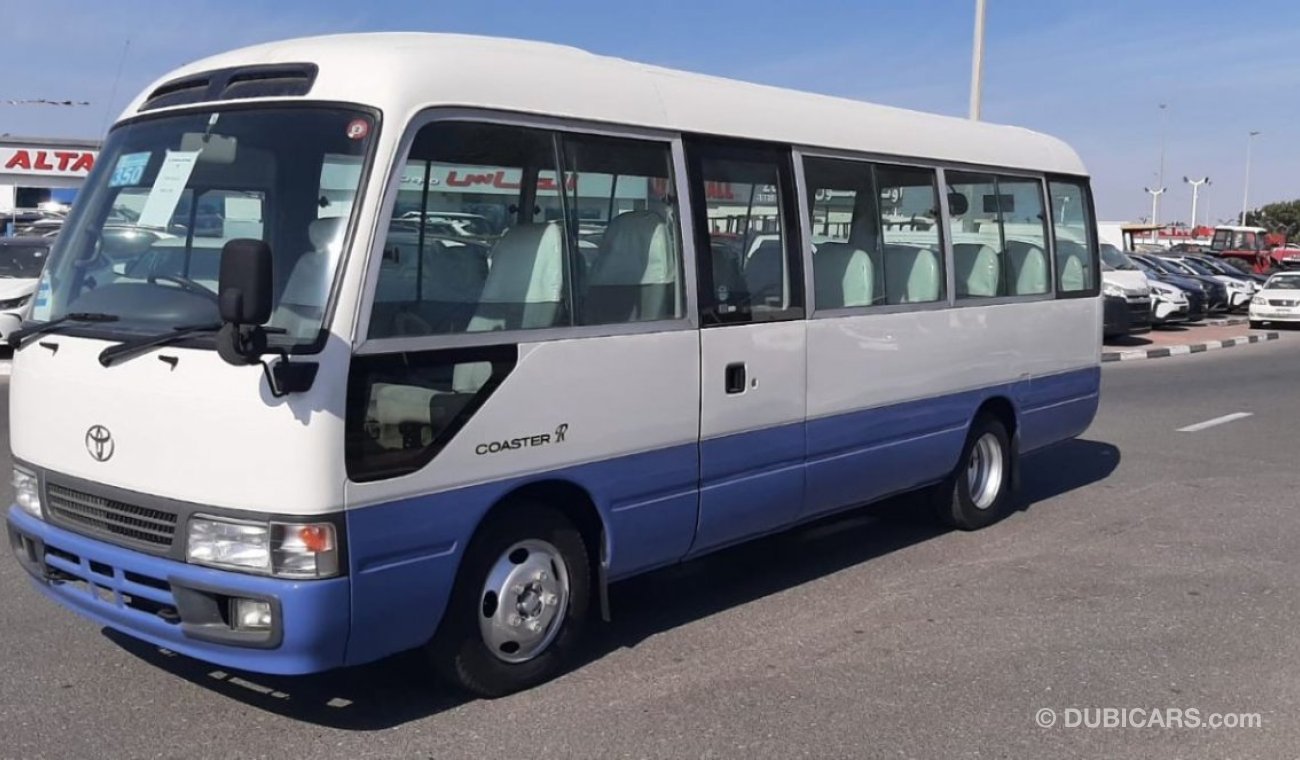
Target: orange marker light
[[317, 538]]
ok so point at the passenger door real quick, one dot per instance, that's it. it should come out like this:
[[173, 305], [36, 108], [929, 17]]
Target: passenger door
[[752, 340]]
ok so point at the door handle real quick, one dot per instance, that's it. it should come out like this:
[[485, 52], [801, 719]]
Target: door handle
[[734, 377]]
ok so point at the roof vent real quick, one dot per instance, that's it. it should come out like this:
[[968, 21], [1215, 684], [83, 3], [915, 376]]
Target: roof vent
[[241, 82]]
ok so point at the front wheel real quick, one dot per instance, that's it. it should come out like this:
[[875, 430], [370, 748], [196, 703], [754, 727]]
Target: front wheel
[[1255, 324], [978, 491], [517, 611]]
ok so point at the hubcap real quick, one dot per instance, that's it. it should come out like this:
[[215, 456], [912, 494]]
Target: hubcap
[[524, 601], [985, 470]]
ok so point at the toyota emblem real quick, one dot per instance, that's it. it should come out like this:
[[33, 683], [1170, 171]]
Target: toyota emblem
[[99, 442]]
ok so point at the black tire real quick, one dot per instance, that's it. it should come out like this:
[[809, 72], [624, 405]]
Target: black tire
[[458, 650], [1255, 324], [956, 507]]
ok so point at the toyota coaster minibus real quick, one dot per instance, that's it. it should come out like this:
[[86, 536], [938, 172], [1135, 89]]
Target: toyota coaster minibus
[[360, 344]]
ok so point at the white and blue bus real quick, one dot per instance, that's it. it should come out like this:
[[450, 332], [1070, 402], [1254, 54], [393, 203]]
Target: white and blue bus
[[361, 344]]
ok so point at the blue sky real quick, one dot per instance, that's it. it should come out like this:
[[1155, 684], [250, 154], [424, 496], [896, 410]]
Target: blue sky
[[1091, 73]]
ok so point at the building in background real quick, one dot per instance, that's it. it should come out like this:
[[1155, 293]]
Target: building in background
[[41, 174]]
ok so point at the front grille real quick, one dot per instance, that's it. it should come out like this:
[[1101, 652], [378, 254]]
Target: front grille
[[1282, 302], [1139, 312], [113, 519]]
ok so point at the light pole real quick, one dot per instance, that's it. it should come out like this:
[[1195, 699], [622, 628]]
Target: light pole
[[1245, 193], [977, 63], [1160, 177], [1155, 211], [1196, 191]]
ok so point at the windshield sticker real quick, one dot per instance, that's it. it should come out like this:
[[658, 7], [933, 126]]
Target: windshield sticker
[[129, 169], [167, 188], [358, 129]]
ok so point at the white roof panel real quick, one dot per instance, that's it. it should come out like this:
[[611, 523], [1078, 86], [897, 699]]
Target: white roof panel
[[403, 73]]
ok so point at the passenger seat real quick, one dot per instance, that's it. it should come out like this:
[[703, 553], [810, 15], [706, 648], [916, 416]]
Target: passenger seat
[[843, 276], [976, 268], [1028, 267], [634, 276], [912, 274], [525, 282]]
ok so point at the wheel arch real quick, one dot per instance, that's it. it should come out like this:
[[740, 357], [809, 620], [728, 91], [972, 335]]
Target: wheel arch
[[1004, 410], [577, 504]]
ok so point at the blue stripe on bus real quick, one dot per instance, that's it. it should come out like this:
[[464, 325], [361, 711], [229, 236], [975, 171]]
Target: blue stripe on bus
[[749, 484]]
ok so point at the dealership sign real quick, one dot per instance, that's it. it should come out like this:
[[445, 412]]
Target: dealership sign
[[47, 162]]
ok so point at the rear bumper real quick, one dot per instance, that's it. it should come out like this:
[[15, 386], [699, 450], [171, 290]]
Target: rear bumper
[[180, 606]]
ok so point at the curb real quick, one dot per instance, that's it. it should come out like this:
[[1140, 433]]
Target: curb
[[1194, 348], [1223, 322]]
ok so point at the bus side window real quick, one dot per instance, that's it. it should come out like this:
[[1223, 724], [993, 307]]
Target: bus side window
[[457, 259], [1024, 230], [909, 223], [622, 221], [977, 241], [744, 219], [1077, 265]]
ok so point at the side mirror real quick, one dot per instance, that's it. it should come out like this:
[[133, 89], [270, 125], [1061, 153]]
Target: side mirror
[[957, 204], [244, 286], [244, 300]]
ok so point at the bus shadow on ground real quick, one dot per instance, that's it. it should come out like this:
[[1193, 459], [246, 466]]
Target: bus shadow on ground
[[401, 689]]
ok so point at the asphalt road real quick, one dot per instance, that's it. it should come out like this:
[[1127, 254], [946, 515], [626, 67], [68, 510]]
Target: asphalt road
[[1149, 569]]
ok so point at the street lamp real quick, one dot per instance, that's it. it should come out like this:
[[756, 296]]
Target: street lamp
[[977, 63], [1160, 177], [1196, 191], [1155, 211], [1245, 193]]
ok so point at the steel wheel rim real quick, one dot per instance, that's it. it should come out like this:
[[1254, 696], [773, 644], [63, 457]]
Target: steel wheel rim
[[985, 470], [524, 601]]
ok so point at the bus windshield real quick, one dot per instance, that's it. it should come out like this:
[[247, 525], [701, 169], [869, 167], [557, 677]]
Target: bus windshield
[[144, 242]]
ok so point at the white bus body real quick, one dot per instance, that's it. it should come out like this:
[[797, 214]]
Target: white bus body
[[742, 309]]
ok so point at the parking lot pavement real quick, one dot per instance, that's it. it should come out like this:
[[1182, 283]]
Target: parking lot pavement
[[1149, 569]]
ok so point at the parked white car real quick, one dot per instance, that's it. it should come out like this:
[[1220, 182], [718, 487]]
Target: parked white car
[[21, 262], [1277, 301], [1240, 289], [1168, 303]]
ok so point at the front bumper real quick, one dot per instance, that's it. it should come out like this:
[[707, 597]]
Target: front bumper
[[1170, 311], [1275, 314], [177, 606], [1237, 298]]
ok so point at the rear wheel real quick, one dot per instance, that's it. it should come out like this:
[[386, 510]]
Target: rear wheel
[[978, 491], [517, 611]]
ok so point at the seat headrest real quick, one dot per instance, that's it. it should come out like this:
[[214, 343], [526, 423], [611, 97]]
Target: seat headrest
[[527, 265], [326, 234], [635, 250]]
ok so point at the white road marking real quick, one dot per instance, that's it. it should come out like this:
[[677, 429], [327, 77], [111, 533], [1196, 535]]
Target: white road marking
[[1216, 421]]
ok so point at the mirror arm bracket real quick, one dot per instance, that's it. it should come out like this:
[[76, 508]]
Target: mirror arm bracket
[[285, 376]]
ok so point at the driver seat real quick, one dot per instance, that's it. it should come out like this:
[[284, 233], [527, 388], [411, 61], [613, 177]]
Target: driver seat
[[302, 304]]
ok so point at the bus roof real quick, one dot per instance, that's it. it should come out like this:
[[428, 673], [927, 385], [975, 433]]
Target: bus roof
[[402, 73]]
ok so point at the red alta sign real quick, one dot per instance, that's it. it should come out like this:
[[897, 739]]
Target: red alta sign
[[33, 161]]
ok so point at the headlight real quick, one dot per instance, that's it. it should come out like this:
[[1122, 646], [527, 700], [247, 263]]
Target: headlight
[[284, 550], [14, 303], [27, 492], [1111, 289]]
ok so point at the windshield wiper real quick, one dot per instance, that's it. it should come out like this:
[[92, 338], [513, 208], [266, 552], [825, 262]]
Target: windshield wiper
[[133, 347], [20, 338]]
